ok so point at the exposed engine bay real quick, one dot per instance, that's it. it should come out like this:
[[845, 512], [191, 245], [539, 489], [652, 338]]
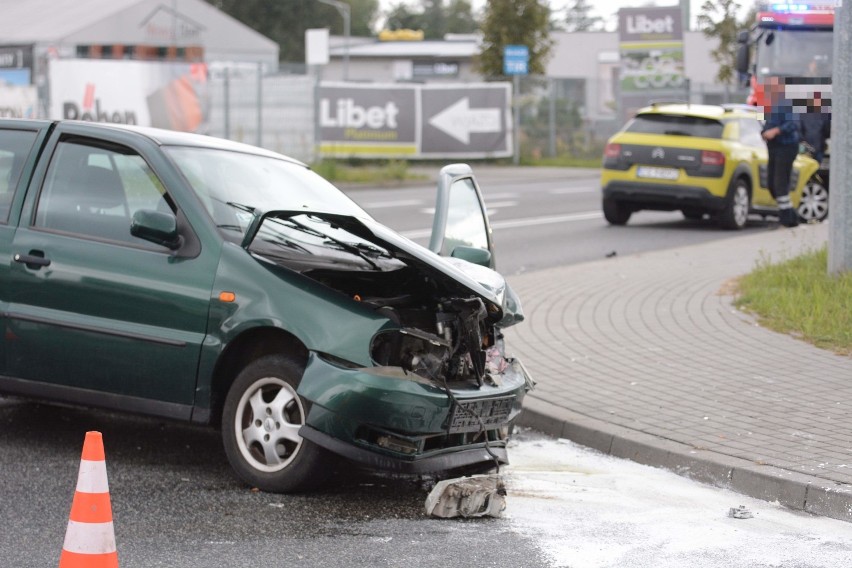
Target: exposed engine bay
[[446, 333]]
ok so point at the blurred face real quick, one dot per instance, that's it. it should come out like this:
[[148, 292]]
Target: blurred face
[[774, 89]]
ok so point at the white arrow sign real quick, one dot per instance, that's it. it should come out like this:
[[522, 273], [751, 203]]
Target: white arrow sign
[[460, 121]]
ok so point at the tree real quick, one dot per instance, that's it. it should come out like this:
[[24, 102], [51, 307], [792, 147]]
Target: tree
[[460, 18], [717, 19], [285, 21], [579, 19], [401, 17], [514, 22]]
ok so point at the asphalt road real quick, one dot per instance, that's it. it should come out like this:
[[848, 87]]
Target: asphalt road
[[176, 504], [543, 218]]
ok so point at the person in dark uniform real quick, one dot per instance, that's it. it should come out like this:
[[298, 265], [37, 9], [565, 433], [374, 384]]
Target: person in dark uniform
[[781, 132]]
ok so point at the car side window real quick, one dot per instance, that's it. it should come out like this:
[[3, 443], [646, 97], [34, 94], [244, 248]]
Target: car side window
[[466, 222], [94, 191], [750, 133], [15, 146]]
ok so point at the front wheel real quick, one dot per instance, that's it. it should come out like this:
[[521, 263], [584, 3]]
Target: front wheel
[[615, 212], [260, 428], [737, 204], [814, 204]]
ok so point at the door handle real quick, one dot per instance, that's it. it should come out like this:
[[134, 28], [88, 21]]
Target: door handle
[[34, 260]]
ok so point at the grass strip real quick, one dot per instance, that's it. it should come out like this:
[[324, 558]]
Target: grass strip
[[799, 297]]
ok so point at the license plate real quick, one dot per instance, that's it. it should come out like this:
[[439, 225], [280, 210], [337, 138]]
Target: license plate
[[656, 173], [491, 412]]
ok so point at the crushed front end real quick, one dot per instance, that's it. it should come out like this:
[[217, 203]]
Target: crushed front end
[[435, 389]]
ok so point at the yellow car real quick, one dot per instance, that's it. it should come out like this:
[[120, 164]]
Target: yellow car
[[701, 160]]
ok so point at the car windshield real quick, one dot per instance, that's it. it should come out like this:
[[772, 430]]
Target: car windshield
[[795, 53], [675, 125], [234, 185]]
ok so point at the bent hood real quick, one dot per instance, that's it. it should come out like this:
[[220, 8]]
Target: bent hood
[[481, 281]]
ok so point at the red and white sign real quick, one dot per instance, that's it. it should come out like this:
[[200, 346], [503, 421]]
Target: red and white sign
[[164, 95]]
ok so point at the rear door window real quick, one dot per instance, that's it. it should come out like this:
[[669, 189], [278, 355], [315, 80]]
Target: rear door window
[[676, 125], [15, 146]]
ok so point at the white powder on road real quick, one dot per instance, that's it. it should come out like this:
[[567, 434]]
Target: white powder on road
[[589, 510]]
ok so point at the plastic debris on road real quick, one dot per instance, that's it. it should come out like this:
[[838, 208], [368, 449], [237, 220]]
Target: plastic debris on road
[[739, 512], [474, 496]]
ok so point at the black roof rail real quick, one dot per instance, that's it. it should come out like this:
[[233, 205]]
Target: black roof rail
[[730, 107], [657, 102]]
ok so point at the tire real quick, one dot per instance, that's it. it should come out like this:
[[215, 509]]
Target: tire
[[615, 212], [737, 204], [814, 204], [260, 424], [693, 214]]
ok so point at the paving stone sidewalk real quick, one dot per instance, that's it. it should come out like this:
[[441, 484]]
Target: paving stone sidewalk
[[645, 357]]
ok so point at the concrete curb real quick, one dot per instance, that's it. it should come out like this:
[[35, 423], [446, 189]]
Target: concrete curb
[[793, 490]]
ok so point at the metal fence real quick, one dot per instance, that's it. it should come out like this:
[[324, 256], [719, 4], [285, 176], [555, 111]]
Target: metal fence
[[275, 112], [574, 117], [558, 117]]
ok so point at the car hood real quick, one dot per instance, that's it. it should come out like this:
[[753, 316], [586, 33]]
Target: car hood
[[481, 281]]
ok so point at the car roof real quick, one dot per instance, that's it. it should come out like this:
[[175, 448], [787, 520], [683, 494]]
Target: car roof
[[164, 137], [174, 138], [715, 112]]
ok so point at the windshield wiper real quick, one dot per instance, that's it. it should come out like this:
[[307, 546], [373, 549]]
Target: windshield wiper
[[348, 247], [676, 133]]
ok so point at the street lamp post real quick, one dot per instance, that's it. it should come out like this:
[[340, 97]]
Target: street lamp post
[[344, 9]]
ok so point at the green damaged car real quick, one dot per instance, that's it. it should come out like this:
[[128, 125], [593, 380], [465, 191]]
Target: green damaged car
[[203, 280]]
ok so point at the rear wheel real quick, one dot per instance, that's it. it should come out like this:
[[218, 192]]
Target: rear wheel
[[814, 204], [615, 212], [260, 428], [735, 213]]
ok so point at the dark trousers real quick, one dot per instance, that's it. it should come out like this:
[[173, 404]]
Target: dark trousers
[[780, 167]]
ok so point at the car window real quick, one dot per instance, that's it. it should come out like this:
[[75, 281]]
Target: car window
[[465, 222], [15, 146], [233, 186], [94, 191], [675, 125], [750, 133]]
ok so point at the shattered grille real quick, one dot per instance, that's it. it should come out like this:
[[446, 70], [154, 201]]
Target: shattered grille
[[492, 412]]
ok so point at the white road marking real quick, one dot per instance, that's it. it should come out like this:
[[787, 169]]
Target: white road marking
[[509, 195], [573, 190], [399, 203], [498, 204], [517, 223]]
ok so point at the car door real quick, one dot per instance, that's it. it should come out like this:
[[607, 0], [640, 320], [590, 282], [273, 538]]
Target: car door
[[461, 228], [97, 315], [18, 141]]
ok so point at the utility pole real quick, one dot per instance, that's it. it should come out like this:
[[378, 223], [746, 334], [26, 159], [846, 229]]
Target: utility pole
[[840, 195], [345, 10]]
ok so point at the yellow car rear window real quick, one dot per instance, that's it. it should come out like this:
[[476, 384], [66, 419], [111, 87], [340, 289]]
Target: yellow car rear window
[[675, 125]]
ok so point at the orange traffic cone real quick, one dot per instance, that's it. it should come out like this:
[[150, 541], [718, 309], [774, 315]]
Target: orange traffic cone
[[90, 539]]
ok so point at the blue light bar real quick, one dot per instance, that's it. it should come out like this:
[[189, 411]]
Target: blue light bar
[[790, 7]]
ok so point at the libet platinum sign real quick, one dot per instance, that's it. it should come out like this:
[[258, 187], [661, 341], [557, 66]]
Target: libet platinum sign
[[367, 120], [414, 121]]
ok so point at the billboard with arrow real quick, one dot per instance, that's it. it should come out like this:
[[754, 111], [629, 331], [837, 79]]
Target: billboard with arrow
[[415, 121]]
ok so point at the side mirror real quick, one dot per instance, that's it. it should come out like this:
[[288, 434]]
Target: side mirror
[[473, 255], [742, 59], [461, 222], [742, 37], [156, 227]]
